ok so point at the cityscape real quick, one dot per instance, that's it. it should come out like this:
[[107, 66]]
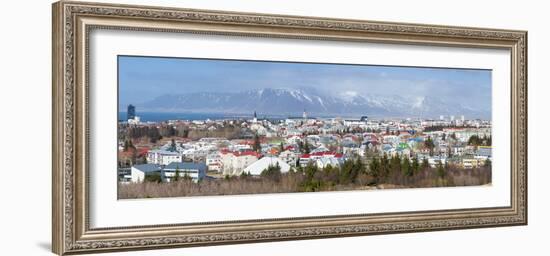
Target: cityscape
[[311, 143], [201, 150]]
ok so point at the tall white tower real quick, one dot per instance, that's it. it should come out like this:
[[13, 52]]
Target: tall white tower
[[304, 115]]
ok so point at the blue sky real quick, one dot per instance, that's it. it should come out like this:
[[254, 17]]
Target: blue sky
[[144, 78]]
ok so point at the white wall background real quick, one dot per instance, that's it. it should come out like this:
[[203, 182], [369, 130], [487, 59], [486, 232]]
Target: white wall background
[[25, 117]]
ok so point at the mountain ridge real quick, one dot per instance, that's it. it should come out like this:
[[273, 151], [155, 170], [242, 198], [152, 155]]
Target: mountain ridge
[[286, 101]]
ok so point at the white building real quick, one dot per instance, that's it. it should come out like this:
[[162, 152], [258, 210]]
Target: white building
[[240, 147], [138, 172], [326, 161], [233, 163], [163, 157], [214, 162], [354, 122], [135, 120], [192, 170], [259, 166]]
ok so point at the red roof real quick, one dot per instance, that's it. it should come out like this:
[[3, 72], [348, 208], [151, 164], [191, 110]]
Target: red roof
[[244, 153], [247, 153], [140, 152]]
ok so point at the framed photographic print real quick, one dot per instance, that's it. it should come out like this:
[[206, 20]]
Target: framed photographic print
[[179, 127]]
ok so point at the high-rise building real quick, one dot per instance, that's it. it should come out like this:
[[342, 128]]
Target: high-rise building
[[131, 113]]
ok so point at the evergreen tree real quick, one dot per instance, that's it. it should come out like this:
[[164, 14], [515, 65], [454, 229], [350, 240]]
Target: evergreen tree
[[440, 170], [385, 166], [415, 166], [310, 170], [358, 168], [306, 147], [245, 175], [345, 176], [425, 163], [374, 169], [273, 172], [429, 143], [153, 177], [395, 163], [487, 163], [173, 146], [177, 174], [187, 177], [257, 145], [126, 145], [406, 168]]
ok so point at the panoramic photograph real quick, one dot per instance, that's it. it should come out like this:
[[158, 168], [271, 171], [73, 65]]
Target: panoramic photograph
[[214, 127]]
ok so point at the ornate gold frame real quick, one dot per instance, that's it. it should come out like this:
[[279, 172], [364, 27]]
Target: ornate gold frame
[[72, 22]]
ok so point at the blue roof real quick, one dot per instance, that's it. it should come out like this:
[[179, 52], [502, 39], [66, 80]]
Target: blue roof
[[416, 139], [185, 166], [147, 167]]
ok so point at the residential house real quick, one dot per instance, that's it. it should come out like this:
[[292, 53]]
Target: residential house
[[305, 159], [290, 157], [214, 162], [329, 161]]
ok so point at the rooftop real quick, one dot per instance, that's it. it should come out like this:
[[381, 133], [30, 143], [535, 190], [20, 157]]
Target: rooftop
[[185, 166], [147, 167]]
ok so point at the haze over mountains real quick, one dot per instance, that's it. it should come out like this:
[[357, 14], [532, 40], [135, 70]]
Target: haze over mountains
[[284, 101]]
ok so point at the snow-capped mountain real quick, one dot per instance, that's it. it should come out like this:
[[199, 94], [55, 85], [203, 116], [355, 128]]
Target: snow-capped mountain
[[283, 101]]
